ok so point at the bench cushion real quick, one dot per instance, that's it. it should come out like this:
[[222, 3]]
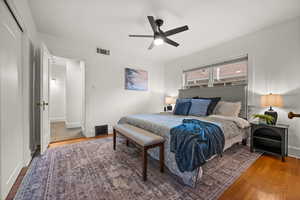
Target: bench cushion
[[140, 136]]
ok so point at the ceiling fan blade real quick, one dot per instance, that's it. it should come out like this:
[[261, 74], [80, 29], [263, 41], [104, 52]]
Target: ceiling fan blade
[[152, 23], [176, 30], [171, 42], [151, 45], [144, 36]]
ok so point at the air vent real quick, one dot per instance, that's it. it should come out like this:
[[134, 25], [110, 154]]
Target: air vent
[[103, 51], [101, 130]]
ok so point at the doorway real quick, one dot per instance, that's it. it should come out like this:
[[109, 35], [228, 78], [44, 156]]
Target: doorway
[[66, 99]]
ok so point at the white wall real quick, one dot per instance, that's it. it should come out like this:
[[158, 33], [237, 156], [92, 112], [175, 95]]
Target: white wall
[[274, 66], [57, 104], [74, 93], [106, 99]]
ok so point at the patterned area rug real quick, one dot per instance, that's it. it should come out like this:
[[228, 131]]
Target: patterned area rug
[[92, 170]]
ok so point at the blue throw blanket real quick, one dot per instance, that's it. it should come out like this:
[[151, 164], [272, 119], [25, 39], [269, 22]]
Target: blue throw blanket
[[194, 142]]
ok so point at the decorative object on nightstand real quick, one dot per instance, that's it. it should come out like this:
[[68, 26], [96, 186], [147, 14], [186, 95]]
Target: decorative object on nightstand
[[264, 119], [270, 139], [168, 103], [272, 100]]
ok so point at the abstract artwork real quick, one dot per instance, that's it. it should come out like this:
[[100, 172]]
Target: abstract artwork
[[136, 79]]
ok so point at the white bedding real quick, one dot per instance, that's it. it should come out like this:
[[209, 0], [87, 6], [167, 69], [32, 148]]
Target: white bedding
[[240, 122]]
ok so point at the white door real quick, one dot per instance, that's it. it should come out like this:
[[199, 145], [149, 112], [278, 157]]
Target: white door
[[11, 137], [44, 100]]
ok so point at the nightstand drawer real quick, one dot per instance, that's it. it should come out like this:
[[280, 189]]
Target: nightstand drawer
[[267, 133], [267, 145]]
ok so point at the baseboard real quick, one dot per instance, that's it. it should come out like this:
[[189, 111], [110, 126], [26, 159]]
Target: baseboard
[[73, 125], [27, 158], [11, 180], [58, 119], [294, 152]]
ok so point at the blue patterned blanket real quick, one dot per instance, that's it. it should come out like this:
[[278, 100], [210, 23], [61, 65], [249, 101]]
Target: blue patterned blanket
[[194, 142]]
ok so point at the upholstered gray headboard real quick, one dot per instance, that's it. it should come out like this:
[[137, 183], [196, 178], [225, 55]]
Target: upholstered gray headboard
[[227, 93]]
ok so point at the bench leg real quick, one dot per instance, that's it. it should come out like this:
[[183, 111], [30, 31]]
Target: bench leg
[[114, 138], [145, 160], [127, 142], [161, 157]]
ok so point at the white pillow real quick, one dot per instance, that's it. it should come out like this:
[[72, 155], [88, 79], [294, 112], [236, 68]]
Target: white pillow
[[225, 108]]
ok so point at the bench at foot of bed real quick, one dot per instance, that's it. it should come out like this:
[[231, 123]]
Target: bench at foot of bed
[[142, 138]]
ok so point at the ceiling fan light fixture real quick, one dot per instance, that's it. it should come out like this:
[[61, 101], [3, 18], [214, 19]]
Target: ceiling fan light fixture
[[158, 41], [161, 37]]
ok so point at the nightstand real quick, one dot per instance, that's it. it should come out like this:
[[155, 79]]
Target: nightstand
[[270, 139]]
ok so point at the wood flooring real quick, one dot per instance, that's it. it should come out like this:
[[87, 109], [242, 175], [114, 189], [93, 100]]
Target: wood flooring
[[13, 191], [71, 141], [267, 179]]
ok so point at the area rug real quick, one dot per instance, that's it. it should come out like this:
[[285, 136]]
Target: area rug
[[91, 170]]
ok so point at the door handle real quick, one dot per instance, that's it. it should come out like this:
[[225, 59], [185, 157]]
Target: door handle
[[43, 104], [291, 115]]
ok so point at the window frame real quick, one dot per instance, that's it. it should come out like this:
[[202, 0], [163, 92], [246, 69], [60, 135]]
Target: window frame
[[211, 68]]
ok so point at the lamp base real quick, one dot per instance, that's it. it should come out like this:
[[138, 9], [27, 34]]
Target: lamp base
[[273, 114], [169, 108]]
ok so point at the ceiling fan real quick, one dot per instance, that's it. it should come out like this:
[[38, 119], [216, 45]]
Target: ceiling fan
[[160, 36]]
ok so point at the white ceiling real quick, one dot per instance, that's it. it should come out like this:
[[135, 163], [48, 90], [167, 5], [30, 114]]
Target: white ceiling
[[107, 23]]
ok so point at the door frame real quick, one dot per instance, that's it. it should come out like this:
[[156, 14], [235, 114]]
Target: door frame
[[83, 114], [84, 94]]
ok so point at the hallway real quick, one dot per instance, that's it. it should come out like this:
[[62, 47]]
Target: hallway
[[59, 132]]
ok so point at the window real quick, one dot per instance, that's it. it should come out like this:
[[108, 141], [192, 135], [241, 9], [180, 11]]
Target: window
[[199, 77], [232, 72]]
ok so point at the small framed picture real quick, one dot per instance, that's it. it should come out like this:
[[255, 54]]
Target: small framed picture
[[136, 79]]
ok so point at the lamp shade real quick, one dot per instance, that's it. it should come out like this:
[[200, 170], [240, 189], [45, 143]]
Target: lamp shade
[[170, 100], [271, 100]]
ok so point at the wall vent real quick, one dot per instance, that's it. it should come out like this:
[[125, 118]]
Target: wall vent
[[103, 51], [101, 130]]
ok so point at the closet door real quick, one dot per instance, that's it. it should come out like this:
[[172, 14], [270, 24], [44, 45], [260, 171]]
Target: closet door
[[11, 138]]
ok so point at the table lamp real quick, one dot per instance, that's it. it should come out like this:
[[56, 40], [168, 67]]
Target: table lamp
[[168, 102], [272, 100]]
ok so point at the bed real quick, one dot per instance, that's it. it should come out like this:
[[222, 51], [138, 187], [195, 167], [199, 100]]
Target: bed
[[235, 129]]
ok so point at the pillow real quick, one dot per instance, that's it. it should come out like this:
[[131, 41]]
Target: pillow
[[182, 108], [212, 105], [199, 107], [231, 109], [181, 101]]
